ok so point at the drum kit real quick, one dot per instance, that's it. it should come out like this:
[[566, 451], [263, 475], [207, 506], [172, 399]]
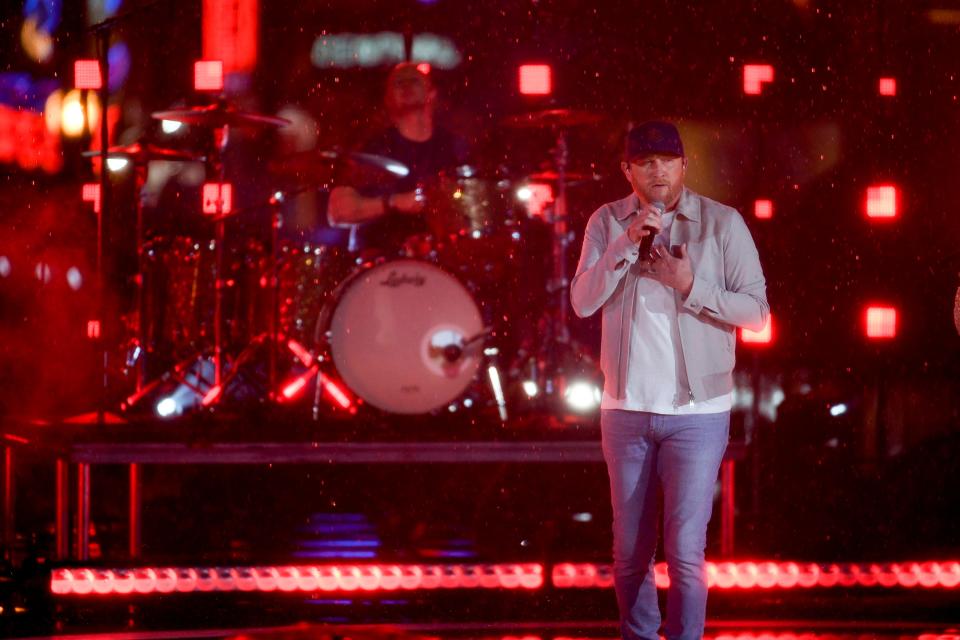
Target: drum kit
[[416, 331]]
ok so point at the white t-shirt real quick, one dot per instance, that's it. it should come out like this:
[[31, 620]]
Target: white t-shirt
[[656, 372]]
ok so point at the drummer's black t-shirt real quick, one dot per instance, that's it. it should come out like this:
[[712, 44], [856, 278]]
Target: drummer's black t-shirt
[[444, 151]]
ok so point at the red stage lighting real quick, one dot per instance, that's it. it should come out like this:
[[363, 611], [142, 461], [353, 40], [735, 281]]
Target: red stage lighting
[[294, 387], [882, 201], [93, 329], [535, 197], [338, 394], [887, 86], [424, 68], [230, 32], [763, 209], [409, 577], [754, 76], [91, 193], [300, 352], [343, 578], [760, 338], [208, 75], [211, 395], [217, 198], [86, 74], [880, 322], [535, 79]]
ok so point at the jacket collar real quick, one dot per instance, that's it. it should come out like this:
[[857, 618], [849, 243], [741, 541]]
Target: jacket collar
[[688, 207]]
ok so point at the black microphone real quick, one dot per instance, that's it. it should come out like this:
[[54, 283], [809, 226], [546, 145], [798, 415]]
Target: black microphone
[[646, 242]]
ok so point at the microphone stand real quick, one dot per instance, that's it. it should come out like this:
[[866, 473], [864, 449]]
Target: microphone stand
[[102, 31], [103, 221]]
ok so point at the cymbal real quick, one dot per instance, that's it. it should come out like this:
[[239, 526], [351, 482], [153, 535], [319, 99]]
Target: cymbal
[[141, 154], [549, 118], [220, 115], [380, 162], [319, 165]]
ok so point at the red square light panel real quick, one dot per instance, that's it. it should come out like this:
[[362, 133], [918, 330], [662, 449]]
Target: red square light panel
[[217, 198], [536, 79], [882, 201], [761, 338], [91, 193], [755, 76], [208, 75], [881, 322], [763, 209], [887, 86], [86, 74]]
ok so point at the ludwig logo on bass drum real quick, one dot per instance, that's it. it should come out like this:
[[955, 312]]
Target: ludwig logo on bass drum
[[396, 279]]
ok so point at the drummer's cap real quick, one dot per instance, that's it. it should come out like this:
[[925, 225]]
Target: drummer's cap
[[406, 70], [652, 137]]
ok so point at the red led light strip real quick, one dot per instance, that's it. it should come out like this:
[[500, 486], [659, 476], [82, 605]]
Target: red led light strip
[[341, 578], [399, 577], [782, 575]]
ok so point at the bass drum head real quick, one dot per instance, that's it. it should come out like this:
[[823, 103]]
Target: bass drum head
[[388, 332]]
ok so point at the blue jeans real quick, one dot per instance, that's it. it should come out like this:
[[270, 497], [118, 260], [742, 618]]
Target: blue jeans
[[681, 455]]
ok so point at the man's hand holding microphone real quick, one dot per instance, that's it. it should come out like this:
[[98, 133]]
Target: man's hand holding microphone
[[657, 262]]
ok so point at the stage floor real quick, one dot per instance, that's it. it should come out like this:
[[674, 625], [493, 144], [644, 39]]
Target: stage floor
[[576, 630]]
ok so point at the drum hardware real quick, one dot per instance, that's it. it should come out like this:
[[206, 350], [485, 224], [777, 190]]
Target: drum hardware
[[140, 155], [183, 373], [555, 346], [270, 282], [462, 201], [220, 116], [455, 351], [317, 167]]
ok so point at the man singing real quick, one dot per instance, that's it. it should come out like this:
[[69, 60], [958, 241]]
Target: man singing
[[667, 353]]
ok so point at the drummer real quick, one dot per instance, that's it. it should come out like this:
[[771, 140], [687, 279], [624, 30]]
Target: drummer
[[390, 210]]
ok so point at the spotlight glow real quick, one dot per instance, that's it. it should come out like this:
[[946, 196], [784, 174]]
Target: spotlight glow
[[167, 407], [582, 396], [530, 388], [74, 116], [117, 164], [170, 127], [838, 410], [43, 272], [74, 278]]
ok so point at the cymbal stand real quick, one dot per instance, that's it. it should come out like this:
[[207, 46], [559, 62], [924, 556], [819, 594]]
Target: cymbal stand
[[556, 322], [139, 359], [221, 138], [272, 335]]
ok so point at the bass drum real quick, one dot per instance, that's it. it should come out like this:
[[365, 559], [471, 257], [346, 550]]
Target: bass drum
[[404, 335]]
